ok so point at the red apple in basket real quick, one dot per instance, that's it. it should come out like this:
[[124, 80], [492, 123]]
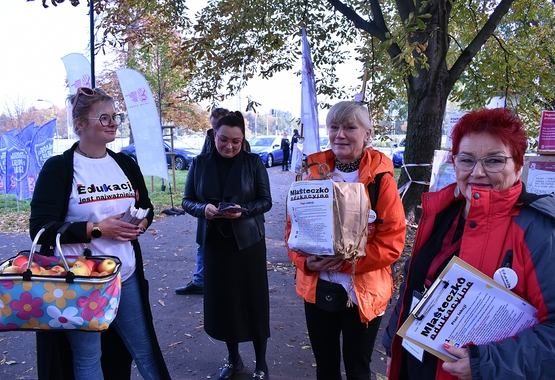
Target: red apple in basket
[[80, 270], [49, 272], [91, 264], [107, 265], [19, 260], [11, 269], [58, 268], [35, 268]]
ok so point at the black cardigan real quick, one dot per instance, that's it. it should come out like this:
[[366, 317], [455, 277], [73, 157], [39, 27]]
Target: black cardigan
[[50, 203], [247, 185]]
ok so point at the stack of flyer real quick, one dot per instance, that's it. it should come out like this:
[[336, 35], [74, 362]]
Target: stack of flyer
[[134, 215]]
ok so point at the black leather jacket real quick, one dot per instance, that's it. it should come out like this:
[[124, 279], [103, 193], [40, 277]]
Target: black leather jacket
[[248, 185]]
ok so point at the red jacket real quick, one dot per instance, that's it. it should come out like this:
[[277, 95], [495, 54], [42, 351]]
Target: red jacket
[[372, 281], [499, 221]]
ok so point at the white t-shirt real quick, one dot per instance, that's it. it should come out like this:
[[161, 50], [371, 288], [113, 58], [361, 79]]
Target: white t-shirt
[[101, 189]]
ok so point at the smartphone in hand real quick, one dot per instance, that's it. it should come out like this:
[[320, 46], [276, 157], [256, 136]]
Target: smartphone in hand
[[229, 207]]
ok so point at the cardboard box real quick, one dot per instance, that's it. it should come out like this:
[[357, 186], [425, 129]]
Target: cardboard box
[[546, 143], [538, 174]]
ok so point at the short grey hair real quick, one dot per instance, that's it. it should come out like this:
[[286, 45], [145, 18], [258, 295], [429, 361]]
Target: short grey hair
[[345, 111]]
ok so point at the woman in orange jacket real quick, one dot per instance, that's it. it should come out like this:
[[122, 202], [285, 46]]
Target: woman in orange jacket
[[371, 287]]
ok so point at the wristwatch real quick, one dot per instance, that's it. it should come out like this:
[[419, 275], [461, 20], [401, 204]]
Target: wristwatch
[[96, 233]]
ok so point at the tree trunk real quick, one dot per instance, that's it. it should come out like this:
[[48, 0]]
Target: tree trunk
[[426, 109]]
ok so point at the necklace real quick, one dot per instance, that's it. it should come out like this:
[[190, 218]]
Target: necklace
[[348, 167], [86, 155]]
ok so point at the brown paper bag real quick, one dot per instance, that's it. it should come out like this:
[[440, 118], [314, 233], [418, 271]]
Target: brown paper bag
[[350, 220]]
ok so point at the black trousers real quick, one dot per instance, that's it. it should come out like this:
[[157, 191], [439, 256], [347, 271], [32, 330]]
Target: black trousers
[[285, 161], [325, 330]]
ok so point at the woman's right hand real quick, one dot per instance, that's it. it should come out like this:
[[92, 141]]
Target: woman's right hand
[[209, 211], [117, 229], [318, 264]]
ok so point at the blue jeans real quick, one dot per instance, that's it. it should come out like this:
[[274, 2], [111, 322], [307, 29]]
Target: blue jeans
[[131, 325], [86, 350], [198, 276]]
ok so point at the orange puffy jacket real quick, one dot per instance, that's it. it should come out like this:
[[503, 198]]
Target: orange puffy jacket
[[372, 281]]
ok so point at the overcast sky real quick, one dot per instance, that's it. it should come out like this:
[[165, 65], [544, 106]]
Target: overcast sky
[[34, 39]]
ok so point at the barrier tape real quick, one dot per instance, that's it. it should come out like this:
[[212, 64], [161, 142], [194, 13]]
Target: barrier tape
[[403, 189]]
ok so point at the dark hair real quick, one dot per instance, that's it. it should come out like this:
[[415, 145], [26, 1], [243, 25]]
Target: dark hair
[[499, 122], [233, 119], [295, 131], [82, 102], [218, 113]]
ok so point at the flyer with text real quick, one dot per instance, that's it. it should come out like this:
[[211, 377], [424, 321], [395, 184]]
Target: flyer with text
[[310, 207], [465, 306]]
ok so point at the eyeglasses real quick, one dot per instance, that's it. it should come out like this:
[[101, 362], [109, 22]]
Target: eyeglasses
[[491, 164], [85, 91], [225, 141], [106, 120]]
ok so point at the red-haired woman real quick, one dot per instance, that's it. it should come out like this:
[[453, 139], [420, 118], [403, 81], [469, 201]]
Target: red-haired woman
[[488, 220]]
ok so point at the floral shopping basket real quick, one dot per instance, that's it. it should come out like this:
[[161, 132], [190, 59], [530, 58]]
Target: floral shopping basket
[[47, 293]]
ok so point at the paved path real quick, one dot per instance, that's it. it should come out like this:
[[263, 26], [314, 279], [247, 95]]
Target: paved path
[[169, 249]]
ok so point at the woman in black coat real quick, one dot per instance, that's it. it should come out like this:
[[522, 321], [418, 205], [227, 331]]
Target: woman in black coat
[[236, 300]]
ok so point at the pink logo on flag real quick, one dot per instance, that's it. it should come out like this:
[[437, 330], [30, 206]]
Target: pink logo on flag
[[85, 81], [31, 183], [139, 95], [142, 94]]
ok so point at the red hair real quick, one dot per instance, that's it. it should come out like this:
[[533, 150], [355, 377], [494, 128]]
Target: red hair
[[498, 122]]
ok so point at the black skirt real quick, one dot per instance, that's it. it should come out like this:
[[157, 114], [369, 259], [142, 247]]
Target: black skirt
[[236, 299]]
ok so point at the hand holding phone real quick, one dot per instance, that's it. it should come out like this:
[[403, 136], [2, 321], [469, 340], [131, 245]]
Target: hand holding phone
[[229, 207]]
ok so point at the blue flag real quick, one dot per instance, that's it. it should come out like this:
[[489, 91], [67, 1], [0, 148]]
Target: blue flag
[[42, 146], [27, 133], [17, 165]]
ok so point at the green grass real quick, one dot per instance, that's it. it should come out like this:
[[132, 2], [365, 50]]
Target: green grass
[[162, 199], [10, 204], [397, 173]]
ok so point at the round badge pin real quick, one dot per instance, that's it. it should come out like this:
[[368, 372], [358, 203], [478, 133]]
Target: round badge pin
[[506, 277], [372, 216]]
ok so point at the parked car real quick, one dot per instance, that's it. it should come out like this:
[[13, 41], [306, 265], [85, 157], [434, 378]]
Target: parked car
[[268, 148], [398, 154], [324, 142], [183, 155]]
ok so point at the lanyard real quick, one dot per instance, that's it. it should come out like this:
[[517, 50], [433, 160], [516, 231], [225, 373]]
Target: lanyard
[[448, 248]]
